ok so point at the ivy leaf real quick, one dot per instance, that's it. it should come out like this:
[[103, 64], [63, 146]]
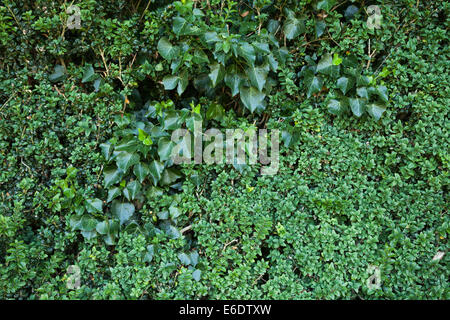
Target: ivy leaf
[[357, 107], [112, 194], [132, 190], [325, 64], [167, 50], [122, 211], [112, 176], [155, 170], [87, 223], [334, 107], [326, 4], [106, 150], [320, 27], [165, 147], [344, 84], [59, 73], [293, 27], [258, 76], [350, 12], [184, 258], [169, 176], [141, 171], [383, 93], [233, 80], [247, 51], [375, 110], [125, 160], [215, 111], [149, 254], [182, 83], [196, 275], [252, 98], [217, 73], [362, 92], [313, 83], [200, 57], [170, 82], [94, 205], [180, 26], [88, 75]]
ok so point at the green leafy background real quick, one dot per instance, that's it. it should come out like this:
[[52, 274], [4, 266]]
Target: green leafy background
[[86, 177]]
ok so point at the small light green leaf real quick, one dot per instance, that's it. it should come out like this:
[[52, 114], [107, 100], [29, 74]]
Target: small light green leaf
[[336, 60]]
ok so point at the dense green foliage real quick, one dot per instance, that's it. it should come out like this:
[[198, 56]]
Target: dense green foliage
[[86, 179]]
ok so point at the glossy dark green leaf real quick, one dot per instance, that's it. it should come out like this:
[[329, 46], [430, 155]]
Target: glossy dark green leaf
[[122, 211], [215, 111], [155, 171], [167, 50], [357, 106], [345, 84], [170, 82], [216, 74], [169, 176], [165, 147], [89, 74], [125, 160], [59, 74], [112, 176], [112, 194], [94, 205], [375, 110], [132, 190], [252, 98], [141, 171], [258, 76], [334, 106], [320, 27]]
